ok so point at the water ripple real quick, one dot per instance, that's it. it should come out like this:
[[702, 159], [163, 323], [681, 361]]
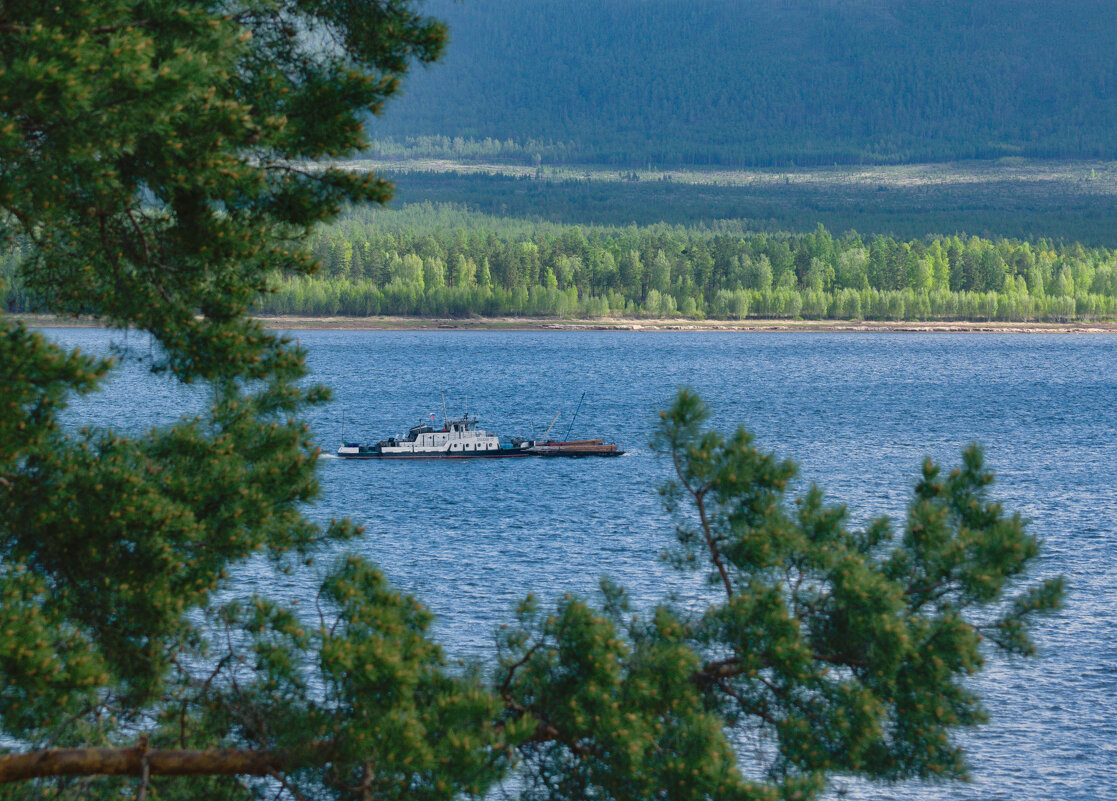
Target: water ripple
[[859, 412]]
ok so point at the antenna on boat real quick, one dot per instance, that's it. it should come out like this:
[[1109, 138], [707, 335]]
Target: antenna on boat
[[552, 425], [444, 416], [575, 417]]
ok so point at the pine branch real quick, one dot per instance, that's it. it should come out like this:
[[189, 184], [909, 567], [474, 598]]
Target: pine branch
[[130, 762]]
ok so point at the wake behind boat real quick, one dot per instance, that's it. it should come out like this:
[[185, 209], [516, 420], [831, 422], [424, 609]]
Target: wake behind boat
[[459, 438]]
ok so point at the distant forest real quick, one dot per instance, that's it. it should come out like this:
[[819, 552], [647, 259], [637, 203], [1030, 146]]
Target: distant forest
[[763, 82], [987, 203], [442, 261]]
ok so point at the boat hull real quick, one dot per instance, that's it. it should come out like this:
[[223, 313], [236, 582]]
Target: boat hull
[[389, 457], [576, 454]]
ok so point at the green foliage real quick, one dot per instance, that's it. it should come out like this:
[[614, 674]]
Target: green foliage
[[149, 178], [838, 651], [850, 648], [398, 267], [619, 716], [362, 688], [145, 146]]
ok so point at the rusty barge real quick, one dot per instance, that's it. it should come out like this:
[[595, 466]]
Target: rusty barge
[[577, 447]]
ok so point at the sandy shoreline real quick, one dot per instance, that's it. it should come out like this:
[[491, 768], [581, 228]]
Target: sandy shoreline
[[295, 323]]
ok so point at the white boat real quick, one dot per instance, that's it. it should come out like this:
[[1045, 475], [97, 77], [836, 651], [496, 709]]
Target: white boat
[[459, 438]]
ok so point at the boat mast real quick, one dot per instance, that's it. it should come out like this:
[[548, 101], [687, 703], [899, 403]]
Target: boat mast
[[552, 425], [575, 417], [445, 419]]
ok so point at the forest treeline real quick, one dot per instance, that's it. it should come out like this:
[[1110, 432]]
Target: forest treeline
[[428, 260], [768, 82], [1076, 206], [437, 261], [440, 261]]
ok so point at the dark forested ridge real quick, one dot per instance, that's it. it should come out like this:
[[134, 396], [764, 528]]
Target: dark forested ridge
[[765, 82]]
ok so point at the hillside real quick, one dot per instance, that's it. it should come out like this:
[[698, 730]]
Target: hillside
[[1070, 201], [767, 82]]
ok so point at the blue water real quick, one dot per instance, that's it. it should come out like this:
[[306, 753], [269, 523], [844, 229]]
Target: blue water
[[858, 412]]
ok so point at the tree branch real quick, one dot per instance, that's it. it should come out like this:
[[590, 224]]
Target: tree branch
[[721, 669], [507, 684], [698, 494], [130, 762], [715, 553], [746, 704], [547, 733]]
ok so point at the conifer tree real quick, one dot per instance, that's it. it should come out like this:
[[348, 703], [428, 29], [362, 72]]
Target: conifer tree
[[154, 174], [838, 651]]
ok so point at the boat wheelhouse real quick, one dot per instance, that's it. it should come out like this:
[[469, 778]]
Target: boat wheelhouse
[[459, 438]]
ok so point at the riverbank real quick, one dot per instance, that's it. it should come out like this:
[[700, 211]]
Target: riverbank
[[620, 324], [297, 323]]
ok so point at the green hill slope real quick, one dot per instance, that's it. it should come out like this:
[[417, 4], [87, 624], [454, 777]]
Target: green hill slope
[[767, 82]]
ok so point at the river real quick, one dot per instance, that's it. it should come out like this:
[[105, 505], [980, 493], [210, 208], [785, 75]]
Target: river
[[858, 412]]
